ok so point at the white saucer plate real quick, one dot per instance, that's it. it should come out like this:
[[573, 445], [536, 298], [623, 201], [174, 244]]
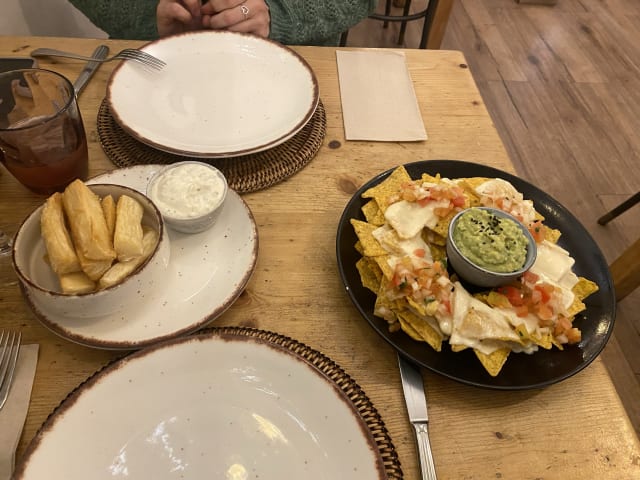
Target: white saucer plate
[[221, 94], [206, 273], [206, 406]]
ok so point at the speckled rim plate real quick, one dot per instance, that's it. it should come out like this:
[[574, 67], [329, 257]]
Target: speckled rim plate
[[521, 371], [221, 94], [224, 403], [206, 274]]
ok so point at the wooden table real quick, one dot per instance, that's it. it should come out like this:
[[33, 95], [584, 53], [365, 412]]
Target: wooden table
[[573, 430]]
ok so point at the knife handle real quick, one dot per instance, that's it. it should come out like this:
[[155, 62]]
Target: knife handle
[[424, 452]]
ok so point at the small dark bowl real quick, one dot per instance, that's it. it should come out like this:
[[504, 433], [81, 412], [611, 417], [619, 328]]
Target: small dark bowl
[[477, 275]]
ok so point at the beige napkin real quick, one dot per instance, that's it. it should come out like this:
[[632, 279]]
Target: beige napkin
[[378, 99], [14, 412]]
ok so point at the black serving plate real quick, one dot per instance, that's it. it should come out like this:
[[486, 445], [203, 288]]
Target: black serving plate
[[521, 371]]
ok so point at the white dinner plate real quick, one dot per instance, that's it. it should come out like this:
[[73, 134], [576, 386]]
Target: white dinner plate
[[228, 404], [206, 273], [221, 94]]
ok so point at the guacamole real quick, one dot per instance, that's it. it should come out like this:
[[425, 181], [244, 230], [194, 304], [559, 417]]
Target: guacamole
[[489, 241]]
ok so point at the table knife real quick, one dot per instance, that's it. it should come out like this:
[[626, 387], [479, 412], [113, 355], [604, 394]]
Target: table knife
[[89, 69], [416, 400]]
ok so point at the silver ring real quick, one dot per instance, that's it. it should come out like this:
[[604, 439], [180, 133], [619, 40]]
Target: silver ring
[[245, 11]]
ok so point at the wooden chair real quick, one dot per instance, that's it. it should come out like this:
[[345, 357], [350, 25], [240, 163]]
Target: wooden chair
[[625, 270], [435, 15]]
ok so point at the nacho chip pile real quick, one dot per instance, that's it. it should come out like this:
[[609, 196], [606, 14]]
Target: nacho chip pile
[[402, 243]]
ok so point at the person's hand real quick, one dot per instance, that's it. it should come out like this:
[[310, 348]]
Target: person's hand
[[177, 16], [249, 16]]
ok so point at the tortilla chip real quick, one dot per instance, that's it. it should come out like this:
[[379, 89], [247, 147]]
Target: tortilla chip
[[458, 348], [372, 213], [438, 252], [388, 187], [493, 362], [421, 327], [552, 235], [364, 231], [358, 247], [545, 341], [584, 288], [385, 268], [576, 307], [433, 238], [370, 278]]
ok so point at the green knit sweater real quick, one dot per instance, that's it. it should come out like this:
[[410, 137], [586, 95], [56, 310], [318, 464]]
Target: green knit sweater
[[293, 22]]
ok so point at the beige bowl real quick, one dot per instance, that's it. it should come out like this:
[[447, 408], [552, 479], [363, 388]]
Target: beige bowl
[[40, 284]]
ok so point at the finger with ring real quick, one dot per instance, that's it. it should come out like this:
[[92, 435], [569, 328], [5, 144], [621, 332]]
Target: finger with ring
[[245, 11]]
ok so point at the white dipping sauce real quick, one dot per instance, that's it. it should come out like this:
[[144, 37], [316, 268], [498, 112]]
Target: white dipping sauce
[[188, 190]]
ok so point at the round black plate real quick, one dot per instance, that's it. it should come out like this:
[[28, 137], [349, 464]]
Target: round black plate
[[521, 371]]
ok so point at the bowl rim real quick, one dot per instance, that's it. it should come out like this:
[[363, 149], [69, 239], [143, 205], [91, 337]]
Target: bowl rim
[[532, 248], [154, 178], [27, 280]]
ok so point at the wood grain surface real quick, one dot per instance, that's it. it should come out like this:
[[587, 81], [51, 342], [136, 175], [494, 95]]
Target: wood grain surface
[[573, 430]]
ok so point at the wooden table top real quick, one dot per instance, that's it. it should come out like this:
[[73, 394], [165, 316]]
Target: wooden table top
[[572, 430]]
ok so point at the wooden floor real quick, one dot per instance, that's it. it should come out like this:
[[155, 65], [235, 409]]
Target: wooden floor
[[562, 84]]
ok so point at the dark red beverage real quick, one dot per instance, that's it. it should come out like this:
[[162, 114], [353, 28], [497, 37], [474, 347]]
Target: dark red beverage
[[42, 138]]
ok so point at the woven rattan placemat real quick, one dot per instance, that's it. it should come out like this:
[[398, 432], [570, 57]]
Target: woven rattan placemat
[[246, 173]]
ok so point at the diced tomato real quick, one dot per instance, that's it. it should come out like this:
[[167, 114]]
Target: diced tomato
[[574, 335], [545, 312], [545, 291], [419, 252], [538, 231], [458, 201], [424, 201], [530, 277], [521, 310], [513, 294]]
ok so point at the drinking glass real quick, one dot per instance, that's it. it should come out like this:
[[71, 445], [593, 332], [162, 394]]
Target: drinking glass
[[42, 138]]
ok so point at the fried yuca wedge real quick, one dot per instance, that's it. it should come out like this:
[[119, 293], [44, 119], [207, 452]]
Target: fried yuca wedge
[[127, 237], [88, 225], [93, 268], [76, 282], [57, 241], [120, 270], [109, 210]]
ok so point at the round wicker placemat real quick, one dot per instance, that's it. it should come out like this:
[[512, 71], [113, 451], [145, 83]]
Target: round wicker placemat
[[246, 173]]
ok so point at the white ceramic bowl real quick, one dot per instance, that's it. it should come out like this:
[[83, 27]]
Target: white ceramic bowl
[[478, 275], [41, 286], [190, 195]]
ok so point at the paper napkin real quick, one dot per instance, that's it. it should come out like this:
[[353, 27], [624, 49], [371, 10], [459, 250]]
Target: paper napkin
[[14, 412], [378, 99]]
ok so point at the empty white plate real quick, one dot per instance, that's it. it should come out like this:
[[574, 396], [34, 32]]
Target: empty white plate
[[215, 406], [221, 94]]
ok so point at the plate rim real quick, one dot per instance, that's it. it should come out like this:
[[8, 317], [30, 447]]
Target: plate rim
[[219, 154], [387, 461], [425, 165], [80, 339]]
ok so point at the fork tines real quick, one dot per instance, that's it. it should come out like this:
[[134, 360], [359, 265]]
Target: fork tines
[[142, 57], [9, 349]]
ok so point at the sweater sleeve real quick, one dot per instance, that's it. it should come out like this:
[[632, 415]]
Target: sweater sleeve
[[122, 19], [315, 22]]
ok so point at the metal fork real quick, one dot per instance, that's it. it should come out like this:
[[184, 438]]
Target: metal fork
[[127, 54], [9, 349]]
